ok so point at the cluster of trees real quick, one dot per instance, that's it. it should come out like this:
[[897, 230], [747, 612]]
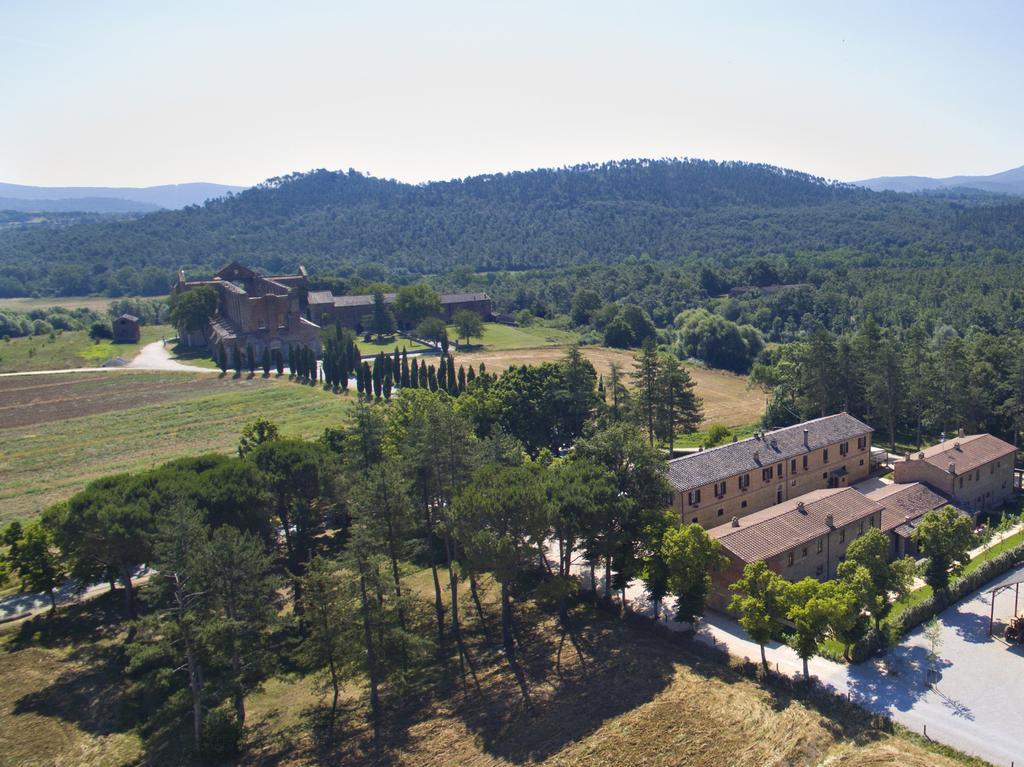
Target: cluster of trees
[[391, 371], [41, 322], [907, 383], [717, 341]]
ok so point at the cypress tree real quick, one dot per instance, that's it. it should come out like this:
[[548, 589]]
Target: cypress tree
[[442, 375], [424, 378], [266, 362], [250, 359], [396, 365], [222, 358], [354, 354], [367, 380], [413, 376], [386, 386], [359, 382], [279, 362], [404, 380], [483, 369], [444, 342], [291, 361], [238, 361], [471, 375], [462, 379], [432, 378], [378, 381], [453, 386]]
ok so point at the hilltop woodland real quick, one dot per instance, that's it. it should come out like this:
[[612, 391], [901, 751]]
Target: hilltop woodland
[[299, 556]]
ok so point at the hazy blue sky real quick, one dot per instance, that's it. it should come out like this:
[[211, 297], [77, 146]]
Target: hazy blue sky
[[140, 93]]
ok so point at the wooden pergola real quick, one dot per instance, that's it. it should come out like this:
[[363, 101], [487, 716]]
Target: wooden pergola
[[992, 593]]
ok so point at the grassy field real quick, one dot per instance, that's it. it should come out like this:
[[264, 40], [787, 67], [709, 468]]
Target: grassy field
[[607, 693], [727, 398], [388, 344], [60, 431], [95, 303], [498, 337], [71, 349]]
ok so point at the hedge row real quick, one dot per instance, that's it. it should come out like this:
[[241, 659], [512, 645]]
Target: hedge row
[[917, 614]]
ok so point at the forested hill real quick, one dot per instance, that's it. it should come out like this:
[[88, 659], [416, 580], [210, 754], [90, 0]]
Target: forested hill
[[672, 210]]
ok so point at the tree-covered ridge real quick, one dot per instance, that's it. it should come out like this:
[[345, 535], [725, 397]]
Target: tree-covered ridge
[[677, 211]]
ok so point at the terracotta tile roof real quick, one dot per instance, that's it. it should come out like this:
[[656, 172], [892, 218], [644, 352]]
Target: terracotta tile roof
[[129, 317], [751, 454], [906, 503], [779, 528], [965, 453]]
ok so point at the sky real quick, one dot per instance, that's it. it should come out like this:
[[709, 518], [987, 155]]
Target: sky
[[142, 93]]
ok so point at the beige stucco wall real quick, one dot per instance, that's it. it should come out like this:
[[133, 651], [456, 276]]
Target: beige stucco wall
[[986, 487], [711, 511]]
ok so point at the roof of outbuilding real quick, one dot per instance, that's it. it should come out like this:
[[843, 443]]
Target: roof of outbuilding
[[750, 454], [965, 453], [779, 528], [129, 317], [456, 298], [320, 297], [906, 503]]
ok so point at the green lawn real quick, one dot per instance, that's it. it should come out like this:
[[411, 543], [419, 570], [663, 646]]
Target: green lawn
[[388, 344], [95, 303], [70, 349], [698, 438], [499, 337], [173, 415]]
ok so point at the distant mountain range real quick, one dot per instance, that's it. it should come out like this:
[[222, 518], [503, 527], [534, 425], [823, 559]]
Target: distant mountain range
[[98, 199], [1007, 182]]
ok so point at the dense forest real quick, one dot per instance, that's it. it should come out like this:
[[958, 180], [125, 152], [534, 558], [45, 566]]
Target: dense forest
[[672, 216]]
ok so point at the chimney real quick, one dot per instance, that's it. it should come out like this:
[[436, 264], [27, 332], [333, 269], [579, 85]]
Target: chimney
[[806, 434], [952, 468], [700, 449], [956, 445], [757, 435], [734, 438], [830, 521], [775, 444], [920, 456], [757, 456], [735, 521], [961, 432], [800, 507]]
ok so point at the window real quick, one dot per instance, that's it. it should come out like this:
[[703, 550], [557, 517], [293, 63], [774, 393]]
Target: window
[[861, 462], [792, 466], [821, 544], [991, 469], [694, 497], [789, 562], [766, 474], [719, 489], [844, 448], [819, 571], [862, 442], [861, 527], [780, 471], [694, 520], [803, 552], [842, 535], [961, 483], [743, 504], [871, 521], [805, 463], [721, 512], [744, 481], [824, 455], [977, 475], [824, 475]]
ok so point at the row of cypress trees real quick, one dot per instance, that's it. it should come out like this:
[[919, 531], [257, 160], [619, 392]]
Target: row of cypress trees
[[389, 371]]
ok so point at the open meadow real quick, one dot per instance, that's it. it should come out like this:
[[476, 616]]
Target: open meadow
[[60, 431], [71, 349], [498, 337], [93, 303]]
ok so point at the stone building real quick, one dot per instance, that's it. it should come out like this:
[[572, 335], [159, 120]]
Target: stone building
[[355, 311], [800, 537], [743, 477], [255, 311], [975, 470], [126, 329]]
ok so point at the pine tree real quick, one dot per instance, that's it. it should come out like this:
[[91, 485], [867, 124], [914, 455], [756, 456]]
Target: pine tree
[[679, 408], [647, 370]]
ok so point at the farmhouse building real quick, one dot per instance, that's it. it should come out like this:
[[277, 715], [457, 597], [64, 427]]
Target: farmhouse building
[[744, 477], [254, 311], [805, 536], [126, 329], [904, 506], [354, 311], [975, 470]]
